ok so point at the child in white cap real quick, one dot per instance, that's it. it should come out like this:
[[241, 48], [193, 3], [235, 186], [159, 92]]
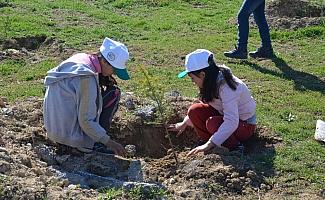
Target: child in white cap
[[81, 97], [225, 115]]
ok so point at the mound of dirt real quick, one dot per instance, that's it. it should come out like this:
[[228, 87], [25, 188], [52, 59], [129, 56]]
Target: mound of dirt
[[294, 9], [292, 14]]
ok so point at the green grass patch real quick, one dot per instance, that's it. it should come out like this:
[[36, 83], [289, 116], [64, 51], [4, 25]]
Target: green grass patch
[[134, 193]]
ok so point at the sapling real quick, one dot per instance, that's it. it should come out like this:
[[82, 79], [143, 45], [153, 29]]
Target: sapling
[[154, 95]]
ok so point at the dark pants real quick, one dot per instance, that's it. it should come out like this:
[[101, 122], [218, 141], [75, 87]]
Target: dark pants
[[111, 98], [257, 7]]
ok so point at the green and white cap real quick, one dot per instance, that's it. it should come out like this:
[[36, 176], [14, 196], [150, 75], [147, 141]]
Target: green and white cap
[[116, 53]]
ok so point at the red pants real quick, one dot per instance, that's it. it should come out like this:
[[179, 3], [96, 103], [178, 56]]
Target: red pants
[[207, 120]]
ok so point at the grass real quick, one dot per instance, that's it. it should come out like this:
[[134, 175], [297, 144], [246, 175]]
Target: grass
[[134, 193], [158, 33]]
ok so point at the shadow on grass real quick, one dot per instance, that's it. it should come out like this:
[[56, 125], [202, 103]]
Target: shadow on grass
[[302, 80]]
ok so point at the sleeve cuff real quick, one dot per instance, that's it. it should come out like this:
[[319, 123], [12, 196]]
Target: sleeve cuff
[[188, 121], [104, 139], [215, 140]]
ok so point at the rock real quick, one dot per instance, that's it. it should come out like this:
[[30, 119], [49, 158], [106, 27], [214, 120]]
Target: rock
[[7, 111], [72, 187], [251, 174], [174, 94], [21, 174], [2, 103], [25, 160], [5, 156], [46, 154], [38, 171], [4, 166], [144, 187], [146, 112], [130, 149], [62, 159], [129, 103], [2, 149], [172, 181]]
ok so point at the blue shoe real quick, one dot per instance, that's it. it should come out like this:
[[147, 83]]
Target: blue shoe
[[236, 53]]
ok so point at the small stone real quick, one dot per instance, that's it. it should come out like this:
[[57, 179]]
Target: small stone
[[146, 112], [72, 187], [21, 174], [65, 182], [251, 174], [62, 159], [5, 156], [38, 171], [130, 149], [7, 111], [129, 103], [2, 149], [172, 181], [234, 175], [25, 160], [263, 187], [4, 166], [2, 103], [174, 94]]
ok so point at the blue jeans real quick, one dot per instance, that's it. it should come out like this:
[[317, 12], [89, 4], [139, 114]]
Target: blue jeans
[[257, 7]]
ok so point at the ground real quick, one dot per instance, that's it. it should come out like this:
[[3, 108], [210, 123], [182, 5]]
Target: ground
[[37, 169], [32, 167]]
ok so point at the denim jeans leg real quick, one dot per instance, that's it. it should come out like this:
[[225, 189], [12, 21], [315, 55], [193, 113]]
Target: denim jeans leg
[[245, 11], [263, 27]]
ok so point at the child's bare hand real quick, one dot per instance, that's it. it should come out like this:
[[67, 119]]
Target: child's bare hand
[[203, 148], [116, 147], [178, 127]]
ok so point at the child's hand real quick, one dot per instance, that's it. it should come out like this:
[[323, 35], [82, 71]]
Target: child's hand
[[203, 148], [178, 127], [116, 147]]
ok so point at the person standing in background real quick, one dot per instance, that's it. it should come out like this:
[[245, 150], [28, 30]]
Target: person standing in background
[[257, 7]]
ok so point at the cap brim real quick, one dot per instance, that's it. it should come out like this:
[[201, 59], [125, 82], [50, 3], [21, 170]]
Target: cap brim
[[121, 73], [182, 74]]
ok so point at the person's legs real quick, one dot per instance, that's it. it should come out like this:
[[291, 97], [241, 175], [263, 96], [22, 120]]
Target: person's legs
[[111, 100], [198, 114], [265, 51], [242, 133], [245, 11]]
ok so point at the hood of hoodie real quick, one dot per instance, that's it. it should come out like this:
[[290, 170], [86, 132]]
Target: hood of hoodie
[[67, 70]]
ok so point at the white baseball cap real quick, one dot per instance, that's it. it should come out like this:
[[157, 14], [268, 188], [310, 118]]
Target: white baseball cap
[[117, 55], [195, 60]]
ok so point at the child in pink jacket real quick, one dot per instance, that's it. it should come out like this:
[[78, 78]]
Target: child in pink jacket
[[226, 114]]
